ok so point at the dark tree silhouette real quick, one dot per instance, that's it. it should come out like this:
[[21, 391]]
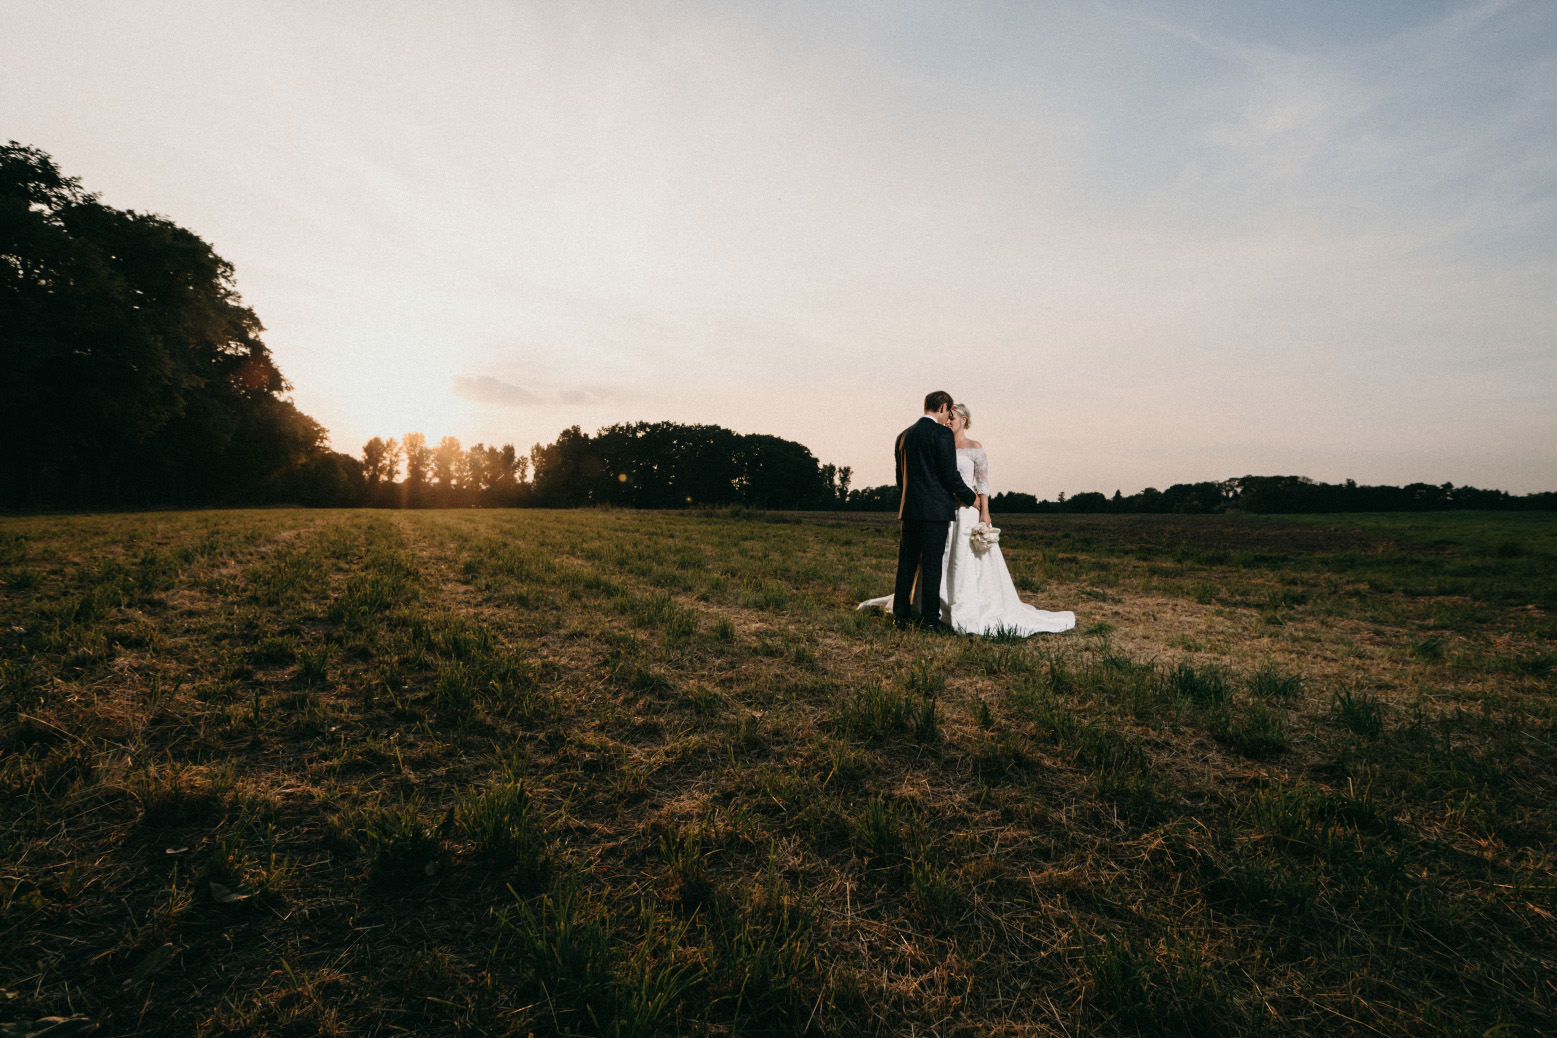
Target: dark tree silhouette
[[418, 467], [380, 461], [134, 374], [380, 465], [510, 470], [448, 463], [494, 474], [667, 465]]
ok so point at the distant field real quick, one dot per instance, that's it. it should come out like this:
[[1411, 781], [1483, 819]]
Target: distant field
[[492, 772]]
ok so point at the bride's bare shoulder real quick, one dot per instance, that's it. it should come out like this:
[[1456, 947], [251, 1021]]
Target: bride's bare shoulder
[[976, 445]]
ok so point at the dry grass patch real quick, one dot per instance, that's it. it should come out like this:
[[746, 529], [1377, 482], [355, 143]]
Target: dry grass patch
[[590, 773]]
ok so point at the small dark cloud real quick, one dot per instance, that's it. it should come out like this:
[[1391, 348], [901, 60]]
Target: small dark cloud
[[489, 390], [485, 389]]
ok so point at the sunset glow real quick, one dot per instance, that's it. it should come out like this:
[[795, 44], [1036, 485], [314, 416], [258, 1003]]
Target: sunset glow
[[1146, 243]]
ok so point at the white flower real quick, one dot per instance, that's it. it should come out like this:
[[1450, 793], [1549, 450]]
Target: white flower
[[984, 537]]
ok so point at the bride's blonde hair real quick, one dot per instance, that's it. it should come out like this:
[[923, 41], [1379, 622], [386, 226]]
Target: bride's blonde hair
[[967, 416]]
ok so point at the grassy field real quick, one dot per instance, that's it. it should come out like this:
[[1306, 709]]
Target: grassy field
[[435, 773]]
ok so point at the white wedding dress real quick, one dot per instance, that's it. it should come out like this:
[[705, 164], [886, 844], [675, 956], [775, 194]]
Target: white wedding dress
[[977, 594]]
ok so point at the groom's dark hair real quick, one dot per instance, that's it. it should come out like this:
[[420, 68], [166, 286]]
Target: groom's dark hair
[[937, 400]]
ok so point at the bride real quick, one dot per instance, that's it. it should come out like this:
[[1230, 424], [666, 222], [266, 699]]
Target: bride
[[977, 594]]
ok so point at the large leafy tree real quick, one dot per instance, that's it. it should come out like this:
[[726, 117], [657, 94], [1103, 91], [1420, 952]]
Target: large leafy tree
[[134, 372]]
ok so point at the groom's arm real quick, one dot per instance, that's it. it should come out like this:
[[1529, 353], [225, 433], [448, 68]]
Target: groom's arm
[[946, 469], [897, 471], [897, 462]]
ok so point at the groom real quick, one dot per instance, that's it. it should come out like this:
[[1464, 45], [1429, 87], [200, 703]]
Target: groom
[[928, 481]]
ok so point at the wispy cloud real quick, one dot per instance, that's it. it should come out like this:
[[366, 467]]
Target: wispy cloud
[[485, 389], [497, 392]]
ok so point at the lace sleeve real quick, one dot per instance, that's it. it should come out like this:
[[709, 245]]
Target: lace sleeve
[[981, 472]]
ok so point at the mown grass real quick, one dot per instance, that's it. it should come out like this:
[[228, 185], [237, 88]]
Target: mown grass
[[631, 774]]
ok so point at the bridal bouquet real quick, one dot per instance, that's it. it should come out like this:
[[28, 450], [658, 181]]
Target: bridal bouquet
[[984, 537]]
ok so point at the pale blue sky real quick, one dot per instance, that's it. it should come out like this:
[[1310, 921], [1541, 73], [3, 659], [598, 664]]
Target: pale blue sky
[[1147, 243]]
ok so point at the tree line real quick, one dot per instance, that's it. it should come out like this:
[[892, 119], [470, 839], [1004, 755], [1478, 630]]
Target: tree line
[[636, 465], [1273, 495], [446, 475]]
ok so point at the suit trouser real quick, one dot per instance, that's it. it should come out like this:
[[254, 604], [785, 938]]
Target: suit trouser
[[921, 546]]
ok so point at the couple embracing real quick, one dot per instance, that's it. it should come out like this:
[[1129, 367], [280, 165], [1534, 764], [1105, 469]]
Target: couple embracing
[[950, 573]]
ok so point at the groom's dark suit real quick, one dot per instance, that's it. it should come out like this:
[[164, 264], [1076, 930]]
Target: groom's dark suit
[[930, 487]]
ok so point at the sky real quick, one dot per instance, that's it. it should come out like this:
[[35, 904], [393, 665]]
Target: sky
[[1146, 242]]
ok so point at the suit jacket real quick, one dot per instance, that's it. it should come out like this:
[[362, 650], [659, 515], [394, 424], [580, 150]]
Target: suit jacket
[[928, 483]]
